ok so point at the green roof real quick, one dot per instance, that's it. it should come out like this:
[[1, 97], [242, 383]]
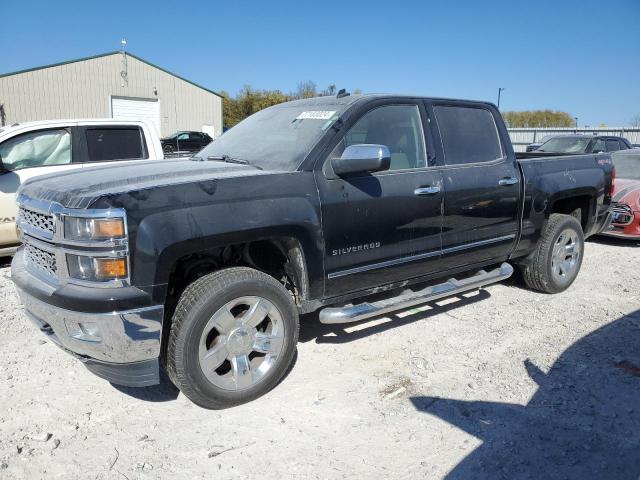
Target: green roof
[[106, 55]]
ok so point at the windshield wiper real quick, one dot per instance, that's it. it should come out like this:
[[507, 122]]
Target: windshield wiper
[[228, 159]]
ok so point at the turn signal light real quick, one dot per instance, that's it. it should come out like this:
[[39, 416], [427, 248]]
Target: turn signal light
[[109, 228], [110, 268]]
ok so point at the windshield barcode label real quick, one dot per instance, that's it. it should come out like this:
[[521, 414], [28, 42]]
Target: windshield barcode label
[[316, 115]]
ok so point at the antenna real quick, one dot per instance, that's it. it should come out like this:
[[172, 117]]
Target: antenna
[[124, 73]]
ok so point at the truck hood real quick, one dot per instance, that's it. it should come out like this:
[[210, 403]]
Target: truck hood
[[82, 187]]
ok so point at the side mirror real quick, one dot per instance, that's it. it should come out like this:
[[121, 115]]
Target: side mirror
[[362, 158]]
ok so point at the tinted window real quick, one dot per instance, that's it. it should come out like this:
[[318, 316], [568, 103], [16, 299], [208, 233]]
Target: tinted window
[[115, 144], [183, 136], [36, 149], [612, 145], [398, 127], [469, 135]]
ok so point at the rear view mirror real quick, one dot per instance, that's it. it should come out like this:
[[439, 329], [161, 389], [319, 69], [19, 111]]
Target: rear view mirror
[[362, 158]]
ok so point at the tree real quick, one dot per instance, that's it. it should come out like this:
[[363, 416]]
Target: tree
[[306, 89], [538, 119], [635, 121], [247, 102]]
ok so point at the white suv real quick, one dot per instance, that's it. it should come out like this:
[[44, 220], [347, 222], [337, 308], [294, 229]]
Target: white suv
[[37, 148]]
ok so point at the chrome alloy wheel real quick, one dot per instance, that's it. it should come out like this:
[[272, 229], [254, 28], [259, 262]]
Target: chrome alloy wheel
[[241, 342], [565, 255]]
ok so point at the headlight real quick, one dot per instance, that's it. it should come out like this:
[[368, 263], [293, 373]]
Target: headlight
[[95, 268], [79, 228]]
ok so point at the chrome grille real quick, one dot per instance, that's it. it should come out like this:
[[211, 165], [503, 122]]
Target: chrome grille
[[37, 220], [40, 259], [622, 214]]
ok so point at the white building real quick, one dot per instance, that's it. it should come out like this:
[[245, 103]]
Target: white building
[[116, 84]]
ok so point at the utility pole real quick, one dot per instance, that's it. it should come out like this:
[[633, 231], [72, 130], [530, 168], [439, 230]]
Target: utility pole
[[500, 89], [576, 119]]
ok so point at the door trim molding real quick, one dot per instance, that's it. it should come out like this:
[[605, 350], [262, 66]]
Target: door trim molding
[[421, 256]]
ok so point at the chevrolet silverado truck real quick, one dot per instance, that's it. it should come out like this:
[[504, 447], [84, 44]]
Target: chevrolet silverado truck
[[352, 206]]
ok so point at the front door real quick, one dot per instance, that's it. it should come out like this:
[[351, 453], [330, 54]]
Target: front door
[[382, 227]]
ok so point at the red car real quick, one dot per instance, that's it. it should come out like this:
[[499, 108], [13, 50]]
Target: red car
[[626, 195]]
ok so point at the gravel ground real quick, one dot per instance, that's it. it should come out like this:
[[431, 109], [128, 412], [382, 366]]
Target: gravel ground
[[504, 383]]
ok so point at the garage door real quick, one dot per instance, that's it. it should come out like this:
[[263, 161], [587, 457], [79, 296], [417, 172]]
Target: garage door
[[136, 109]]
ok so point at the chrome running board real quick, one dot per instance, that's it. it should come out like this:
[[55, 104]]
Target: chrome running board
[[409, 298]]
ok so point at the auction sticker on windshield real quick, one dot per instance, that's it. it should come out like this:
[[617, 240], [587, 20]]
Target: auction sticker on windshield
[[316, 115]]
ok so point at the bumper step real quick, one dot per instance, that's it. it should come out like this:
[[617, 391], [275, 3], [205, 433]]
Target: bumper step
[[410, 298]]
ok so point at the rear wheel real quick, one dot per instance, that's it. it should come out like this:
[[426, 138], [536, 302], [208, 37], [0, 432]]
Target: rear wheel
[[233, 337], [557, 259]]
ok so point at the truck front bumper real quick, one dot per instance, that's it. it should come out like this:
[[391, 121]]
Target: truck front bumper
[[122, 347]]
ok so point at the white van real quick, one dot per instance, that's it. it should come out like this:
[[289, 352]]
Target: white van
[[37, 148]]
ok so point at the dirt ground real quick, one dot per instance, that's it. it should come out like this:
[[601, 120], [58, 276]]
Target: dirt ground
[[505, 383]]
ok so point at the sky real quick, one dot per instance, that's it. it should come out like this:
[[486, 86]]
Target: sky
[[582, 57]]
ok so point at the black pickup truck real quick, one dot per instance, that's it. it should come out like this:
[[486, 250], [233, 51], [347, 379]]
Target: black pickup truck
[[351, 205]]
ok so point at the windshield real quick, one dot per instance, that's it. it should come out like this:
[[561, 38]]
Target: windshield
[[627, 165], [565, 145], [276, 138]]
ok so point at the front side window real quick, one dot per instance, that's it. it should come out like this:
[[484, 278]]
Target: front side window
[[183, 136], [398, 127], [599, 146], [36, 149], [123, 143], [469, 135]]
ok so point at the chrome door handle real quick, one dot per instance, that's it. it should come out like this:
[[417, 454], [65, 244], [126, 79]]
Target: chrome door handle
[[426, 190], [508, 181]]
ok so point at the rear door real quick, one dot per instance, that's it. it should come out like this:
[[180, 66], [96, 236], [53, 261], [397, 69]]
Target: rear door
[[385, 226], [481, 184]]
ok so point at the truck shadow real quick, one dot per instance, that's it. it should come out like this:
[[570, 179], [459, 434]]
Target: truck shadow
[[583, 421], [312, 329], [165, 391], [615, 242]]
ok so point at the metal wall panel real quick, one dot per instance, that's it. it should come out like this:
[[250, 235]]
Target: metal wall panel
[[83, 89]]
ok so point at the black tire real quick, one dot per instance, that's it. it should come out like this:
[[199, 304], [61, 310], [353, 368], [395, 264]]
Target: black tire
[[539, 273], [167, 149], [198, 303]]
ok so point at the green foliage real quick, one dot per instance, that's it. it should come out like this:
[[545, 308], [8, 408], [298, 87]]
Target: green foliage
[[249, 101], [538, 118]]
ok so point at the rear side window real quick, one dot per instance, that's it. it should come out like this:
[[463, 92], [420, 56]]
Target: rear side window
[[612, 145], [124, 143], [469, 135]]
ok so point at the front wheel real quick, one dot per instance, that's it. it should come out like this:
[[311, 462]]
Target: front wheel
[[555, 263], [233, 337]]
